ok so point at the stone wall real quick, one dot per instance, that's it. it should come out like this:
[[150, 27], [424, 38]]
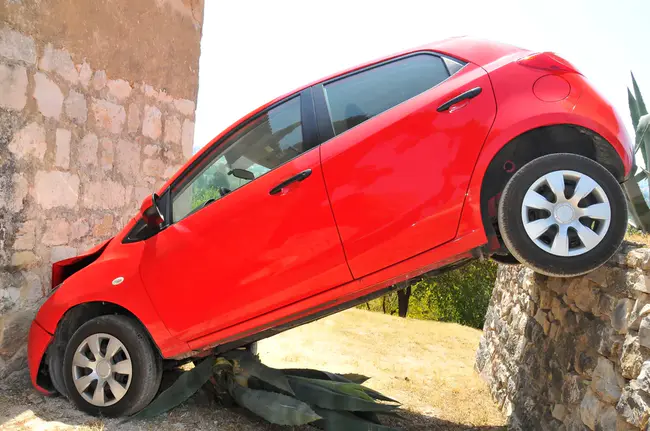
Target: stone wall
[[571, 354], [80, 146]]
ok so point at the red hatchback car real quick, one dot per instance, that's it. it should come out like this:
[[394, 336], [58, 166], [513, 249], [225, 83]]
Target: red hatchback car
[[326, 197]]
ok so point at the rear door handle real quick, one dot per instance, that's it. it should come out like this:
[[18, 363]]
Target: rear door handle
[[469, 94], [296, 178]]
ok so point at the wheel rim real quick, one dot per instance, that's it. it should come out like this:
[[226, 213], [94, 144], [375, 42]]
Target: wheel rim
[[566, 213], [102, 370]]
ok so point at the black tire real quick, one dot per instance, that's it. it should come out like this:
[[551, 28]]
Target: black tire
[[146, 365], [505, 259], [526, 251], [55, 368]]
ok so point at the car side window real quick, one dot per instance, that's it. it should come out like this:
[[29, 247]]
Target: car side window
[[359, 97], [263, 144]]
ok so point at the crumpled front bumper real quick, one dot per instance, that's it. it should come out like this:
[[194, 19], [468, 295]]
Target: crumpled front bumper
[[39, 340]]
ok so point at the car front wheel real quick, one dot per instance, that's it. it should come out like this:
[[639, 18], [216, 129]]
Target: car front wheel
[[110, 367], [562, 215]]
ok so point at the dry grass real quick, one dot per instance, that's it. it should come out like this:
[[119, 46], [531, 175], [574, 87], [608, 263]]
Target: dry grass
[[428, 366], [638, 237]]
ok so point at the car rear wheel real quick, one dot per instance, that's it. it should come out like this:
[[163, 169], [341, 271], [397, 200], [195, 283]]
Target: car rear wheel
[[562, 215], [110, 367]]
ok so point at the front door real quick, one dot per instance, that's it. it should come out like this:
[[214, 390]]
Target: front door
[[239, 246], [399, 164]]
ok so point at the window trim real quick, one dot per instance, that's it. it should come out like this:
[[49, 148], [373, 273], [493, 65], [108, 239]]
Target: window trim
[[321, 103], [309, 131]]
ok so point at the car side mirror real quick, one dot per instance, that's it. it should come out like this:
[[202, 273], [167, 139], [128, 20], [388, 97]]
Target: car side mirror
[[150, 211], [242, 174]]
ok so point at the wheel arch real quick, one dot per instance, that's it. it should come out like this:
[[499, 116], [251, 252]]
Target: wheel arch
[[531, 144]]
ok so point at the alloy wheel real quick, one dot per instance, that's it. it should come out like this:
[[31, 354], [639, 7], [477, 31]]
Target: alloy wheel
[[102, 370], [566, 213]]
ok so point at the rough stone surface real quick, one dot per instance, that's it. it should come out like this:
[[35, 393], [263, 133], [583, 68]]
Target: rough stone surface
[[29, 142], [118, 89], [73, 160], [48, 95], [188, 138], [185, 107], [127, 158], [17, 47], [87, 150], [57, 232], [104, 195], [134, 118], [13, 87], [172, 130], [56, 189], [60, 62], [108, 115], [62, 154], [591, 368], [76, 108], [152, 122]]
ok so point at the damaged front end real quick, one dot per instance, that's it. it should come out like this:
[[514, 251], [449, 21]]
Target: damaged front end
[[63, 269]]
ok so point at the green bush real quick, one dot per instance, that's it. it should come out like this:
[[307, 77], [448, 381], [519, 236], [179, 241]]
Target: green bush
[[460, 296]]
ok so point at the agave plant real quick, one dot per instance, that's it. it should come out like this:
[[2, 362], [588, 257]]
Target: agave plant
[[641, 121], [282, 396]]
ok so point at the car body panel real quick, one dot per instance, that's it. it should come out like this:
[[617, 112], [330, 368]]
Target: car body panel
[[408, 168], [37, 343], [451, 228], [264, 251], [95, 284]]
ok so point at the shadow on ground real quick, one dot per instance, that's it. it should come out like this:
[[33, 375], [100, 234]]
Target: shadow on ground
[[22, 408]]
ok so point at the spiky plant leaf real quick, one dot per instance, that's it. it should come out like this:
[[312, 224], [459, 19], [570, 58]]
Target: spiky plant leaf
[[183, 388], [276, 408], [315, 394], [318, 374], [352, 389], [356, 378], [337, 421], [247, 365], [634, 109], [639, 98], [643, 137]]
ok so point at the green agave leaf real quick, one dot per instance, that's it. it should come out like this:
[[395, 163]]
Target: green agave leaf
[[634, 109], [318, 374], [643, 137], [639, 99], [337, 421], [356, 378], [276, 408], [353, 389], [315, 393], [183, 388], [369, 416], [248, 365]]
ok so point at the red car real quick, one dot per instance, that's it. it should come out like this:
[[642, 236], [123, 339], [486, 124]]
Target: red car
[[326, 197]]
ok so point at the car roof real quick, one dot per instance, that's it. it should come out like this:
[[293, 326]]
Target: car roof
[[464, 48]]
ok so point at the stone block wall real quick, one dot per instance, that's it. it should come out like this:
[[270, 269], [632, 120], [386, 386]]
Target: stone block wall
[[80, 147], [574, 353]]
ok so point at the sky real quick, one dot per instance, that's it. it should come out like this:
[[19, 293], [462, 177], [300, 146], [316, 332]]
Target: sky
[[253, 51]]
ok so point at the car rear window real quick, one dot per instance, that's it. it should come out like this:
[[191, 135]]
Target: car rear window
[[359, 97]]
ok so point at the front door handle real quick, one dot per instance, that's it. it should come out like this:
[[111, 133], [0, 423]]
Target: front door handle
[[296, 178], [469, 94]]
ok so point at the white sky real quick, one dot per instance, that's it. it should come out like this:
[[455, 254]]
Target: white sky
[[253, 51]]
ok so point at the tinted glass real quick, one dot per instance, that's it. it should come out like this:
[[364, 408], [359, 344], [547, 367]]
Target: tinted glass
[[356, 98], [262, 145]]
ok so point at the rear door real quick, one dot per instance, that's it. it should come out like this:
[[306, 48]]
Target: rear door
[[395, 167]]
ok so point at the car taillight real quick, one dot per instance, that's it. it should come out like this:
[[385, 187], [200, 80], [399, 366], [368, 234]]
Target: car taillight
[[547, 61]]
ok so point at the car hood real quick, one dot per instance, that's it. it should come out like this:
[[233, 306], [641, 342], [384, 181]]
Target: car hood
[[65, 268]]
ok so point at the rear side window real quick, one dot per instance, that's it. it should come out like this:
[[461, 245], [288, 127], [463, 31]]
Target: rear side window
[[359, 97]]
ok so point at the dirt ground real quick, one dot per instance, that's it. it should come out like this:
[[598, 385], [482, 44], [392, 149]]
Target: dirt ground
[[428, 366]]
